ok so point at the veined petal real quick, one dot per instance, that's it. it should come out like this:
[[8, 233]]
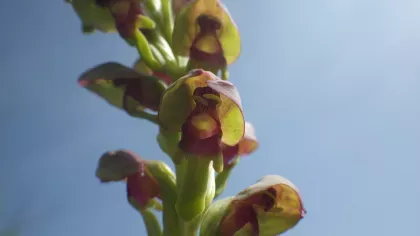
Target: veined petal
[[123, 87]]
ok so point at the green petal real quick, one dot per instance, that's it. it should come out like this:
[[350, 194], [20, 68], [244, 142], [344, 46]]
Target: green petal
[[94, 16], [230, 111], [230, 38], [102, 78], [186, 29]]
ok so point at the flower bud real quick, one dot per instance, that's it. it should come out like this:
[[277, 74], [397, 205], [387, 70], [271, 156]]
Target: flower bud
[[123, 87], [142, 186]]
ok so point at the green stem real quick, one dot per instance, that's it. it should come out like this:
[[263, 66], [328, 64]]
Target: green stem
[[195, 187], [155, 205], [186, 228], [190, 228], [162, 16], [168, 20], [166, 180], [144, 50], [222, 178], [145, 115], [151, 222], [225, 73]]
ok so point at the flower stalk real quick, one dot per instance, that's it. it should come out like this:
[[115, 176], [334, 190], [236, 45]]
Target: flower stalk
[[181, 84]]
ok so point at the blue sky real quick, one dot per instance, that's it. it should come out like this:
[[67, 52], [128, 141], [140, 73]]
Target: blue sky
[[332, 87]]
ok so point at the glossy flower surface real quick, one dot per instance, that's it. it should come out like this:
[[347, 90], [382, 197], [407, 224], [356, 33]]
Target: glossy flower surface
[[205, 31], [206, 109], [123, 87]]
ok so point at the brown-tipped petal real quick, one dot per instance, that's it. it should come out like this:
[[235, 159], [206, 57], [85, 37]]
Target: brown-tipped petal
[[123, 87], [118, 165]]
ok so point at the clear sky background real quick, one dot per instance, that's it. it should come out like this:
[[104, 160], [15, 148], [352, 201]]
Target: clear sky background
[[332, 87]]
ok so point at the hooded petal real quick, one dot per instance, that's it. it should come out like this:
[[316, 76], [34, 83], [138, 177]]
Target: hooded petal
[[186, 29], [123, 87], [177, 104], [94, 16], [269, 207], [118, 165]]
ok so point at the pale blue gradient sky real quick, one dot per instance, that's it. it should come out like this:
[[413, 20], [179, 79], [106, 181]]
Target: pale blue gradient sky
[[332, 87]]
